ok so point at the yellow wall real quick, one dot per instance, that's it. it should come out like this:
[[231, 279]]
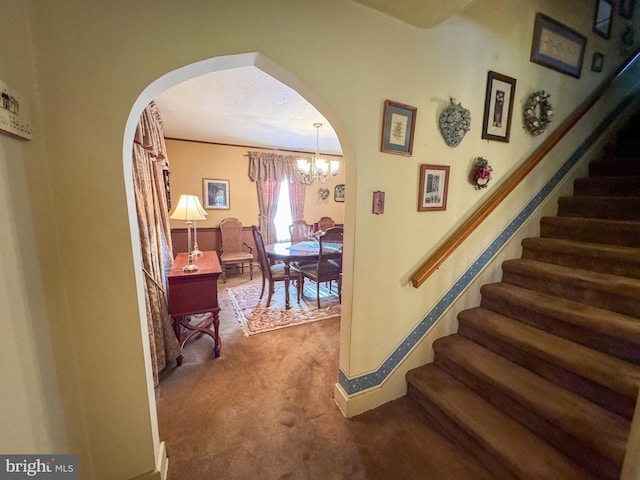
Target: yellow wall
[[191, 162], [32, 414], [98, 63]]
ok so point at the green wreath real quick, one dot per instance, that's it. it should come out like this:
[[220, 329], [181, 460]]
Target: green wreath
[[538, 102]]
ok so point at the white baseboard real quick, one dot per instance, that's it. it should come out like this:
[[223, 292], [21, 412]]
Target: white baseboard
[[162, 466]]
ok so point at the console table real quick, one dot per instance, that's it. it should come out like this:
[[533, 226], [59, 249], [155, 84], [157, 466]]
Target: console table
[[191, 293]]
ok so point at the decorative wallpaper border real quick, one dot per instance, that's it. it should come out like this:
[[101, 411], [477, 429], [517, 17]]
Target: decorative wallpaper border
[[369, 380]]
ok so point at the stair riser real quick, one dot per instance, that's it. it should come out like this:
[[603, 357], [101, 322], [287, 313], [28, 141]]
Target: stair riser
[[614, 167], [534, 421], [576, 290], [565, 228], [598, 394], [600, 207], [457, 434], [536, 317], [607, 186], [630, 133], [622, 267]]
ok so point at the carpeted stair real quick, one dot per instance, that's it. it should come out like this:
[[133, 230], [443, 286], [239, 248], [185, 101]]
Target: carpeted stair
[[540, 382]]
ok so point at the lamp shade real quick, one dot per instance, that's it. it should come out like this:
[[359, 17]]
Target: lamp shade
[[188, 208]]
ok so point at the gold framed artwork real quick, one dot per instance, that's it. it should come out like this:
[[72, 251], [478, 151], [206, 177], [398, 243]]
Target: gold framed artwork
[[557, 46], [215, 194], [434, 186], [398, 126]]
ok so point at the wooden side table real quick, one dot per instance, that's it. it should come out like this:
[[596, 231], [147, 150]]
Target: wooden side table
[[191, 293]]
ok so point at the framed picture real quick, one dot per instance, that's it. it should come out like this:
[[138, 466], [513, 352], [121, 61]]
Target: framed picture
[[434, 184], [602, 18], [625, 8], [338, 193], [597, 61], [558, 47], [215, 194], [498, 106], [398, 125]]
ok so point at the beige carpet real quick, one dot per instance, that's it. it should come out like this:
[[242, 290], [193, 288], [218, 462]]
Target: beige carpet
[[255, 317]]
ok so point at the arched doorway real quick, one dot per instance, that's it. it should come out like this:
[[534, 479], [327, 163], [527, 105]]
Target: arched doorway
[[173, 78]]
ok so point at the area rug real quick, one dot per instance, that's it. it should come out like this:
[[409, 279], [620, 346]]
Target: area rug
[[255, 317]]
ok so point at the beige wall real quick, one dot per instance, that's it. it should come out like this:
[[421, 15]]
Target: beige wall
[[32, 415], [99, 63], [191, 162]]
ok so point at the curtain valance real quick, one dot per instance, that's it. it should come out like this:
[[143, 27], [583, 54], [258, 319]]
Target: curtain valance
[[273, 167]]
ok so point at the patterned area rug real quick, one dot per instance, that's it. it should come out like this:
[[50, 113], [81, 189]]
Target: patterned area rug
[[255, 317]]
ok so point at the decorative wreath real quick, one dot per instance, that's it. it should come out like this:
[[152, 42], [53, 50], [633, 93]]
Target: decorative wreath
[[480, 173], [454, 122], [538, 102]]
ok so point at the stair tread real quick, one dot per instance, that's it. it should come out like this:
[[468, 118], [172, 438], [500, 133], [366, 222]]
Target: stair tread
[[617, 324], [581, 248], [504, 437], [572, 413], [614, 284], [615, 374]]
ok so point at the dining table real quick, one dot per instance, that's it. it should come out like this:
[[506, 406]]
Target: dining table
[[301, 252]]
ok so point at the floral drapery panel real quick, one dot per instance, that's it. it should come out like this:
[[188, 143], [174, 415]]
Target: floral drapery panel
[[149, 161], [269, 170]]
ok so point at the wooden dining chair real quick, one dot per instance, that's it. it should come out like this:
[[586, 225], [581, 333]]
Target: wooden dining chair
[[326, 269], [300, 231], [326, 223], [273, 273], [234, 250]]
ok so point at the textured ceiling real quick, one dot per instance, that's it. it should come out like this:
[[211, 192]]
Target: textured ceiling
[[244, 106]]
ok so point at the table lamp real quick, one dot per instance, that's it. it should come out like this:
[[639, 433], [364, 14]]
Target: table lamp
[[187, 210]]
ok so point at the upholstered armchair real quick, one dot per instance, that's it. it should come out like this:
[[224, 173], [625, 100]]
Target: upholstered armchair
[[234, 250]]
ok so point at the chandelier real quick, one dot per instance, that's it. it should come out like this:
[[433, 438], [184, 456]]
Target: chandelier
[[317, 168]]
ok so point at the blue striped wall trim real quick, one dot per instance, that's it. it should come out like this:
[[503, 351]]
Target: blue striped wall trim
[[369, 380]]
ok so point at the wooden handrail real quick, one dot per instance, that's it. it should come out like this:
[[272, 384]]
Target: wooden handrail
[[483, 211]]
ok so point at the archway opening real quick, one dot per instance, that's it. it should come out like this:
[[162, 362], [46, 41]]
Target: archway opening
[[149, 94]]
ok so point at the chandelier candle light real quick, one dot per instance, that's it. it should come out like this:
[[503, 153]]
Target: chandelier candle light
[[190, 210], [317, 168]]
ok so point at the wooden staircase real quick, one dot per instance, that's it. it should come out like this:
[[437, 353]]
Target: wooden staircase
[[540, 382]]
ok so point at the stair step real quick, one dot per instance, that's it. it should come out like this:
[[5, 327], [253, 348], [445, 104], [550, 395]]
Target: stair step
[[610, 208], [630, 132], [611, 333], [611, 232], [622, 166], [612, 292], [625, 148], [607, 381], [587, 433], [505, 446], [611, 259], [607, 186]]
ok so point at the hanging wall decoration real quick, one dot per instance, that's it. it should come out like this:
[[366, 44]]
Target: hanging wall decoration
[[538, 112], [480, 173], [455, 122]]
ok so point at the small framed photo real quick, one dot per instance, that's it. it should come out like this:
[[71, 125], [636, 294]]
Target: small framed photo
[[215, 194], [498, 106], [602, 18], [434, 184], [558, 47], [597, 61], [398, 126], [338, 193], [625, 8]]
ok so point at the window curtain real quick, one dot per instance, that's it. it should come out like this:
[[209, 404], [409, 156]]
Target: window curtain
[[149, 161], [269, 170], [297, 192]]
